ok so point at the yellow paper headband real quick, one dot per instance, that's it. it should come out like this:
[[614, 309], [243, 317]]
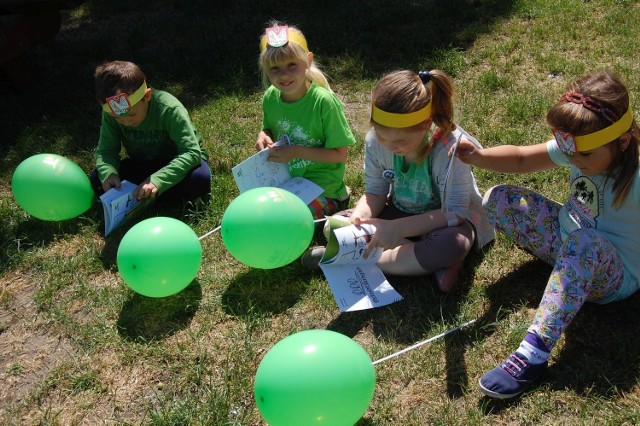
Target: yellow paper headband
[[400, 121], [606, 135], [279, 36], [121, 103]]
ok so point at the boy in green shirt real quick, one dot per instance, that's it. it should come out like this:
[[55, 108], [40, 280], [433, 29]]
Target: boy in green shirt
[[165, 155]]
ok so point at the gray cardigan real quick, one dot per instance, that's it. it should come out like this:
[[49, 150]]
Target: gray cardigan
[[462, 194]]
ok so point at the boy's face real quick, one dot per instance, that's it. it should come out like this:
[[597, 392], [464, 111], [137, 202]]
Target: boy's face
[[137, 113]]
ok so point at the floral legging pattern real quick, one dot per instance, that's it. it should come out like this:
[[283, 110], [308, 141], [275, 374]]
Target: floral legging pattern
[[586, 266]]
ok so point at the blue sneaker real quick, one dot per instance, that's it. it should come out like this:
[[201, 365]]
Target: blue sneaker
[[511, 378]]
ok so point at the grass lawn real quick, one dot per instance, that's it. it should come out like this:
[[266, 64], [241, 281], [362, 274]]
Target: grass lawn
[[78, 347]]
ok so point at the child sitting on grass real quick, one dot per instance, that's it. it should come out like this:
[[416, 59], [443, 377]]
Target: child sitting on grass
[[165, 155], [299, 107]]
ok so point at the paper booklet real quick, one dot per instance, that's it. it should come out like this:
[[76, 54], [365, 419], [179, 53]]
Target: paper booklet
[[118, 204], [256, 171], [356, 283]]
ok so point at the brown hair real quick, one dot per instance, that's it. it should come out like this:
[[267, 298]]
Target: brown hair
[[403, 92], [578, 120], [116, 77]]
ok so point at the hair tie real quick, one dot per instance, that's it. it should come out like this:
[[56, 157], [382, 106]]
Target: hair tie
[[590, 104], [425, 76]]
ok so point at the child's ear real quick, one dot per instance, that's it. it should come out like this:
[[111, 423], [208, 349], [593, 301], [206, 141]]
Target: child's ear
[[625, 139], [310, 57], [147, 94], [426, 124]]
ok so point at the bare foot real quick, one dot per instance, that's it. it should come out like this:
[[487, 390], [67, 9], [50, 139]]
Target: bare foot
[[447, 277]]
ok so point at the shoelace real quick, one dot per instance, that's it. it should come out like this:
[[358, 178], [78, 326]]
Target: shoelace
[[513, 361]]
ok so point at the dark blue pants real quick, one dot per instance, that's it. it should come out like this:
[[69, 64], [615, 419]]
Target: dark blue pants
[[197, 182]]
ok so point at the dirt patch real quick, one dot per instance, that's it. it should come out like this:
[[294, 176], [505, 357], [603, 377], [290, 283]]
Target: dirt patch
[[28, 351]]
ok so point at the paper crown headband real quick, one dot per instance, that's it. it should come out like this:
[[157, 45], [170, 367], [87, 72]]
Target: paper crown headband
[[279, 36], [121, 103], [399, 121], [570, 144]]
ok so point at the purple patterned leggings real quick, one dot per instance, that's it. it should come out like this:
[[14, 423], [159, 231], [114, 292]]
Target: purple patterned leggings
[[586, 266]]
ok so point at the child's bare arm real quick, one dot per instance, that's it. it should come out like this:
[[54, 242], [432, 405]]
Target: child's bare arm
[[286, 153], [506, 158]]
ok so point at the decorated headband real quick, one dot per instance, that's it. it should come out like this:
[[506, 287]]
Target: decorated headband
[[570, 144], [121, 104], [279, 36]]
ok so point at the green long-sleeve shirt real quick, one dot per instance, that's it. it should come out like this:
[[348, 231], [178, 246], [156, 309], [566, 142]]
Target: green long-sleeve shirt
[[166, 134]]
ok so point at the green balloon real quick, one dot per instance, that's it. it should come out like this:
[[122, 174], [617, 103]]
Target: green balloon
[[314, 377], [51, 187], [267, 227], [159, 257]]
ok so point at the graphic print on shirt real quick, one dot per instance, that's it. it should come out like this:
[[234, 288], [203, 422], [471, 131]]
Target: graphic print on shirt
[[297, 136], [583, 204]]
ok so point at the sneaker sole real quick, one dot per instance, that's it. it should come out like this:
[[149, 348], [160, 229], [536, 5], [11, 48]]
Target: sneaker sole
[[496, 395]]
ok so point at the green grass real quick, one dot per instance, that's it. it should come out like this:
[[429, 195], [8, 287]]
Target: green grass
[[77, 346]]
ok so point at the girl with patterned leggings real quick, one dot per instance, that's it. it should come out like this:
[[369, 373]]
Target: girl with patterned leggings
[[592, 240]]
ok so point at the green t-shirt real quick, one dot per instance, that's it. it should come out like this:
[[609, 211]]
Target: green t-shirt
[[412, 187], [166, 134], [316, 121]]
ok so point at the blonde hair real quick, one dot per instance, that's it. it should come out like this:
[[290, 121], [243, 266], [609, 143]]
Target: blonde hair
[[574, 118], [292, 51], [404, 92]]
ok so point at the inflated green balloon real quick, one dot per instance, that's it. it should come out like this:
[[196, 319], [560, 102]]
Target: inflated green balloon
[[267, 227], [51, 187], [159, 257], [314, 377]]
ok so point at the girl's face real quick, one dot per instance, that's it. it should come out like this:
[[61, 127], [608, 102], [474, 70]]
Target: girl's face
[[290, 78], [402, 142], [595, 161]]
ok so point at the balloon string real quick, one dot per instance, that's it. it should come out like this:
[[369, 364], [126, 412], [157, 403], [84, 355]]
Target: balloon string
[[424, 342], [218, 228], [210, 232]]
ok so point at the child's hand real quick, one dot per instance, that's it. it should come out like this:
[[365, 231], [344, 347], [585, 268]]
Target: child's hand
[[146, 190], [465, 150], [282, 153], [113, 181], [264, 141], [386, 235]]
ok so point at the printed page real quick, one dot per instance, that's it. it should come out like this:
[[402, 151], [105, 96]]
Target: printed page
[[117, 203], [348, 243], [359, 286], [356, 283], [256, 172], [303, 188]]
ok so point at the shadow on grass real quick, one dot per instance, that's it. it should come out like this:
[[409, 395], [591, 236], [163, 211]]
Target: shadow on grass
[[209, 49], [203, 50], [145, 319], [600, 352], [413, 319], [262, 292], [524, 286]]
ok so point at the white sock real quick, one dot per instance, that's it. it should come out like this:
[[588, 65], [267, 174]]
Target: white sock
[[533, 354]]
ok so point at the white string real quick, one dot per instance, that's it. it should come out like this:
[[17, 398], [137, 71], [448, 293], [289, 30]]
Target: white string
[[218, 228], [210, 232], [424, 342], [445, 192]]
